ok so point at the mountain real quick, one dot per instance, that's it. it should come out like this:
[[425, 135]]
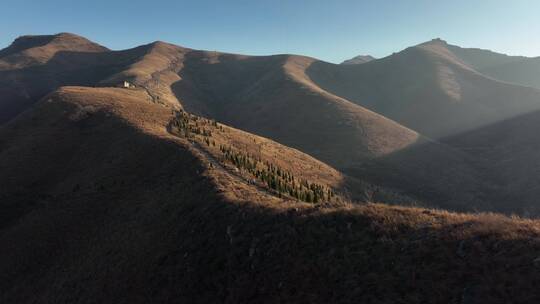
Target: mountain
[[27, 51], [282, 98], [359, 59], [272, 95], [427, 89], [512, 69], [524, 72], [481, 59], [249, 93], [139, 213], [35, 65], [72, 112], [449, 94]]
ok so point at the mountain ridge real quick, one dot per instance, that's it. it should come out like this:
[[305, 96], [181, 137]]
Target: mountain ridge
[[378, 126], [450, 95], [130, 191]]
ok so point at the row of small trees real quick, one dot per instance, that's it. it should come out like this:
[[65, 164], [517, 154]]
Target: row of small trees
[[188, 125], [282, 181], [274, 177]]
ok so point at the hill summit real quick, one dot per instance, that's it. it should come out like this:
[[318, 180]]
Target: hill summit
[[359, 59]]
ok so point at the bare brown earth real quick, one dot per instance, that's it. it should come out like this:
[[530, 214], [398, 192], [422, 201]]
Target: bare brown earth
[[134, 214]]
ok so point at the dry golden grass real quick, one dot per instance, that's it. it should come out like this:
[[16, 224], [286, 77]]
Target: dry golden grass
[[135, 215]]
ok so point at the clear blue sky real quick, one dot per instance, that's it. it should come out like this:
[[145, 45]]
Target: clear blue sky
[[325, 29]]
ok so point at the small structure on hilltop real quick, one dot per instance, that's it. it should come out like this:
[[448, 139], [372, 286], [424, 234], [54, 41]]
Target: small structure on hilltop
[[127, 85]]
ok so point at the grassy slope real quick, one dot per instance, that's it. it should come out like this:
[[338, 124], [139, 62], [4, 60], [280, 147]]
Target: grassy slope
[[414, 168], [149, 223], [273, 96], [445, 96], [269, 97]]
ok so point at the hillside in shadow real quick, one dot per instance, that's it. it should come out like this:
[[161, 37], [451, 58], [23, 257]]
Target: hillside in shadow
[[269, 96], [492, 168], [136, 215], [428, 89]]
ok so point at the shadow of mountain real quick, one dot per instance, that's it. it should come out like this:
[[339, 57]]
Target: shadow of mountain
[[506, 154], [146, 226], [493, 168], [437, 175]]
